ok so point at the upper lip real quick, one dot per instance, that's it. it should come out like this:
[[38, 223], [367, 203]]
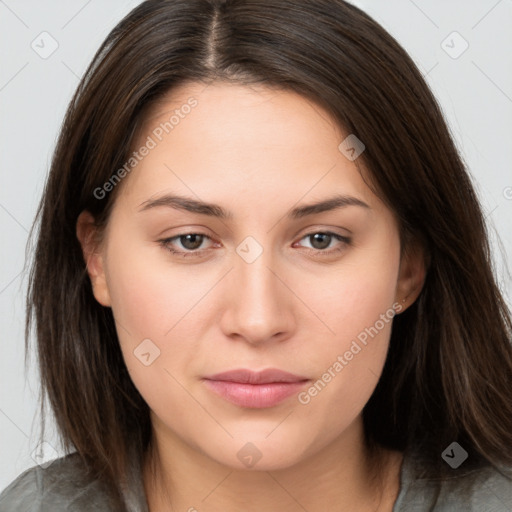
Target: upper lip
[[267, 376]]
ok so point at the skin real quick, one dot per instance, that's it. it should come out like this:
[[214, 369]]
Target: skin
[[257, 152]]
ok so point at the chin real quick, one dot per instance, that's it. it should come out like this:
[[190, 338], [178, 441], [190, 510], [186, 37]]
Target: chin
[[258, 453]]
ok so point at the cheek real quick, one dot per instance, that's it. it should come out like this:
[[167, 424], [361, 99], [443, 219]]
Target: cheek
[[355, 295], [356, 303], [149, 294], [150, 303], [145, 310]]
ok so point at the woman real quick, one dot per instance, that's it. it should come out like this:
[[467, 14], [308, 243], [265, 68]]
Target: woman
[[262, 278]]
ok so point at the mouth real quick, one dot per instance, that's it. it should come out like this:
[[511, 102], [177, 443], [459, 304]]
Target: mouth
[[255, 390]]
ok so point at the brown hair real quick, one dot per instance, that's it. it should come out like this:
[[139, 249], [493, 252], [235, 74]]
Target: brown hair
[[448, 372]]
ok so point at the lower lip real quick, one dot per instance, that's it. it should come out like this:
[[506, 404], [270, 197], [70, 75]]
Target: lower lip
[[255, 396]]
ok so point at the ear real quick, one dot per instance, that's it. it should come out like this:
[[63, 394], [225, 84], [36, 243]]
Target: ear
[[87, 234], [411, 275]]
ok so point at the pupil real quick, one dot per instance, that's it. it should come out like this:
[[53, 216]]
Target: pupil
[[321, 235], [187, 240]]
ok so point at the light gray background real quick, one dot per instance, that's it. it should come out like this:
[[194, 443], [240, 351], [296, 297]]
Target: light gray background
[[474, 90]]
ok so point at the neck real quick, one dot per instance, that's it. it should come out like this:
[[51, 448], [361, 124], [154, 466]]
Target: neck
[[179, 477]]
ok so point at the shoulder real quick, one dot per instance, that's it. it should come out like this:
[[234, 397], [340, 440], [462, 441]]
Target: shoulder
[[486, 489], [62, 485]]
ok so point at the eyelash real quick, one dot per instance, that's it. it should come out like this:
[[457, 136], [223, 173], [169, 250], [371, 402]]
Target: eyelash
[[165, 243]]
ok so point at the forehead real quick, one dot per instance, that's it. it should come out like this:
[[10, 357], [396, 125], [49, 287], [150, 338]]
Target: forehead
[[227, 142], [228, 109]]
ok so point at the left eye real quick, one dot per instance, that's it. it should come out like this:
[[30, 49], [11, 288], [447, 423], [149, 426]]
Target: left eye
[[191, 243], [323, 239]]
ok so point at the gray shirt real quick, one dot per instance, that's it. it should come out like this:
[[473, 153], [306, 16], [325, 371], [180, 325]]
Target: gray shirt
[[63, 486]]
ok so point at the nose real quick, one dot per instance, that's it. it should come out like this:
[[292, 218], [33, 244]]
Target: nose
[[260, 306]]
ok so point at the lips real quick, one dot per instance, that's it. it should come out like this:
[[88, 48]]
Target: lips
[[268, 376], [256, 390]]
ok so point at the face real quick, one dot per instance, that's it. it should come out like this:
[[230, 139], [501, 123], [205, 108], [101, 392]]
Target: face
[[194, 293]]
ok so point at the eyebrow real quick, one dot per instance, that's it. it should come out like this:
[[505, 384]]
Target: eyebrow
[[214, 210]]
